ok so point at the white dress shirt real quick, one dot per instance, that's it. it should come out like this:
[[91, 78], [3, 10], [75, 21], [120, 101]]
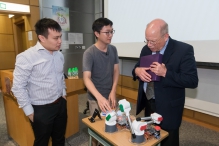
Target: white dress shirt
[[38, 77]]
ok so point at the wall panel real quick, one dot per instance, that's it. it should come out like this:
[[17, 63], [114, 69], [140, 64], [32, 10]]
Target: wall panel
[[26, 2], [129, 82], [207, 118], [7, 60], [34, 2], [5, 25], [6, 42], [129, 93], [32, 18]]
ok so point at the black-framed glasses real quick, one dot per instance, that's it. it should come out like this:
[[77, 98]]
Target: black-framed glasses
[[109, 32], [152, 42]]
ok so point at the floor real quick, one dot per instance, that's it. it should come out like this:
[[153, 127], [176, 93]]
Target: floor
[[190, 134]]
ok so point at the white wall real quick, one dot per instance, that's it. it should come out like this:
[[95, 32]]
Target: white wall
[[204, 99], [191, 21]]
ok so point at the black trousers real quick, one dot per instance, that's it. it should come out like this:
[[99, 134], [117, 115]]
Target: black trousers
[[173, 138], [50, 121]]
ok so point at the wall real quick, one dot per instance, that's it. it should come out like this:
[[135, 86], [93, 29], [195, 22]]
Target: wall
[[7, 50], [9, 38], [189, 21], [7, 46], [82, 13], [203, 99], [199, 31]]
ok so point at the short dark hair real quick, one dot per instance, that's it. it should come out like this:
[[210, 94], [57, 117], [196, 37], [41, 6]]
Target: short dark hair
[[42, 26], [100, 23]]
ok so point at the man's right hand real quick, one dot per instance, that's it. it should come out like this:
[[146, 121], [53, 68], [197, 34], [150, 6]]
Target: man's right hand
[[31, 117], [104, 104], [142, 74]]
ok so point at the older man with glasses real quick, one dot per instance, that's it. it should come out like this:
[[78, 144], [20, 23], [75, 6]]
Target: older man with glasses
[[177, 71]]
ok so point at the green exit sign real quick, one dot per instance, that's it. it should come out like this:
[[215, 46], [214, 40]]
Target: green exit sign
[[2, 6]]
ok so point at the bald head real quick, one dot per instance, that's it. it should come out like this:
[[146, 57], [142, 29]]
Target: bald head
[[157, 26], [156, 34]]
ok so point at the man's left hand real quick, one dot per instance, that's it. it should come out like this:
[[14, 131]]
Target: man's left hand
[[112, 99], [64, 97]]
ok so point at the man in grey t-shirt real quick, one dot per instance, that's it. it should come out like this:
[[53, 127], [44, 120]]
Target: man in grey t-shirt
[[101, 68]]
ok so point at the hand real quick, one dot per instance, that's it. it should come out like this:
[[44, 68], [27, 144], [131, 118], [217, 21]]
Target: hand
[[31, 117], [142, 74], [64, 97], [112, 99], [104, 104], [158, 69]]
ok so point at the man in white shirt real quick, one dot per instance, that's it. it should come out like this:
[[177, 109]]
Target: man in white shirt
[[39, 86]]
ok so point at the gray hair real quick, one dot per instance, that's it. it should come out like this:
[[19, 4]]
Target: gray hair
[[164, 29]]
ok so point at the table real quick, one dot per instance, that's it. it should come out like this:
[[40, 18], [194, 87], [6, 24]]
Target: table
[[18, 124], [120, 138]]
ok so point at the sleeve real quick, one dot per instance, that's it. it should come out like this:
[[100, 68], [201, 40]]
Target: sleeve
[[21, 75], [63, 77], [87, 61], [186, 76], [116, 56]]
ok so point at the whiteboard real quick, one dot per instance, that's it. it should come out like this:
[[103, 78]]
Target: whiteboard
[[192, 21]]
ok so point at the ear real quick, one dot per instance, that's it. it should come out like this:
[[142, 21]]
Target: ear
[[166, 36], [42, 38], [97, 34]]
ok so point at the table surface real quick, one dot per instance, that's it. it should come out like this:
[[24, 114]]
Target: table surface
[[120, 138]]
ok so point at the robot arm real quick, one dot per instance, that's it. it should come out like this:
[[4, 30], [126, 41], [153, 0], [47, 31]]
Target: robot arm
[[111, 118], [110, 122], [155, 118], [125, 106], [139, 127]]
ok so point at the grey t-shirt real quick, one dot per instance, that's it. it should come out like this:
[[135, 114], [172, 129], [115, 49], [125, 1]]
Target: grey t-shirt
[[101, 66]]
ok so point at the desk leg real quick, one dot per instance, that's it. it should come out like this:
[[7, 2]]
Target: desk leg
[[98, 138], [90, 141]]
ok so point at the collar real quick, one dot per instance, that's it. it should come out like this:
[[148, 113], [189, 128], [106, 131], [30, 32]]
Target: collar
[[164, 48], [39, 46]]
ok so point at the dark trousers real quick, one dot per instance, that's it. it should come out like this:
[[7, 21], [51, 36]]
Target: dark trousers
[[173, 138], [50, 121], [151, 109]]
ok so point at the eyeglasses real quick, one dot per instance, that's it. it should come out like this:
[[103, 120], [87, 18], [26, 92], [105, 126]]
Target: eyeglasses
[[109, 32], [152, 42]]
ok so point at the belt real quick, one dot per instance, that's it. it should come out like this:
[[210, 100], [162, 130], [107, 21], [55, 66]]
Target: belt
[[151, 100], [56, 101]]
